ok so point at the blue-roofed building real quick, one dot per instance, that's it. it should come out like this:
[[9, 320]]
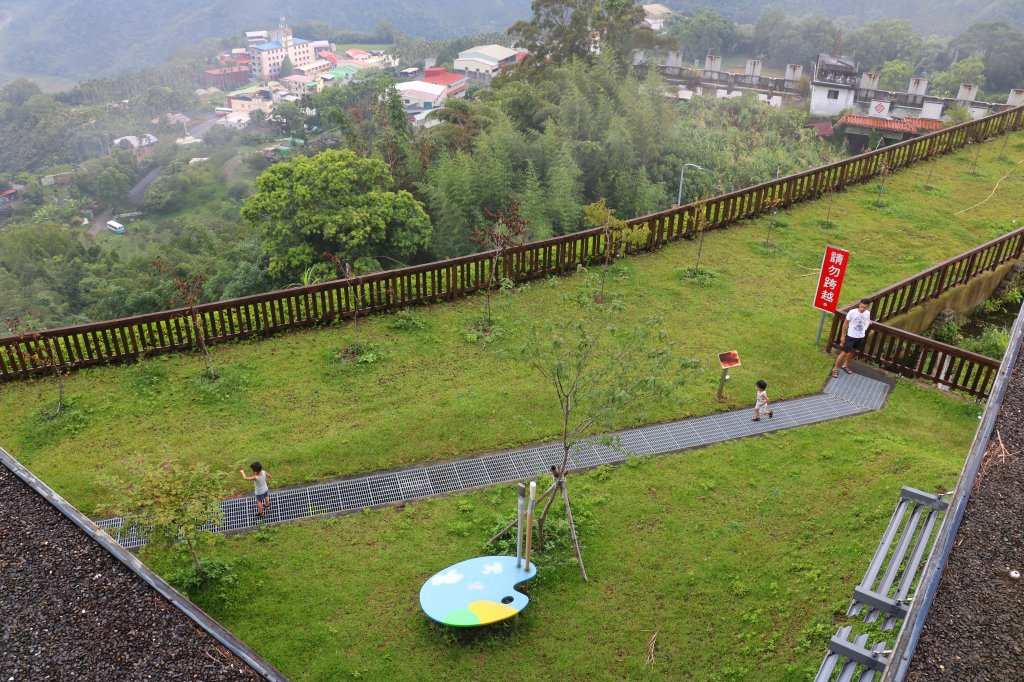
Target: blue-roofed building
[[267, 57]]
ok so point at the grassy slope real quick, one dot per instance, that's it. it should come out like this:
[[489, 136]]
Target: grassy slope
[[436, 396], [741, 556]]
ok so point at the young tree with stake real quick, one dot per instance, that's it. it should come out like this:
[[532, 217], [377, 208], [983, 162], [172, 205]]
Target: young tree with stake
[[698, 226], [598, 371], [43, 351], [884, 171]]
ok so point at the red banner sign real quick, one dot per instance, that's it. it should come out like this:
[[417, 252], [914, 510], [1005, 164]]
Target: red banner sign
[[830, 281]]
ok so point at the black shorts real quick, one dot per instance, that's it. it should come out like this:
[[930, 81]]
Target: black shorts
[[853, 344]]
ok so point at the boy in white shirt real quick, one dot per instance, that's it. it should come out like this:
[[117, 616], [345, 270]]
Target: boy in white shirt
[[855, 328]]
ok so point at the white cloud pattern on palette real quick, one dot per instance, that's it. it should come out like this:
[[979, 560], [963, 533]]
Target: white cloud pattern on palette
[[447, 578]]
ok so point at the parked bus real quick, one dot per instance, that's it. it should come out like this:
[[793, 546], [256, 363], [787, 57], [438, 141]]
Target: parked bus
[[115, 227]]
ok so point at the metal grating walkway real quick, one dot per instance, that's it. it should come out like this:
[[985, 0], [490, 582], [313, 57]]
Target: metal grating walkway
[[843, 397]]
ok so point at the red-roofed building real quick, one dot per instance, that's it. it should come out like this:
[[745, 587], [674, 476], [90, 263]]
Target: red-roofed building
[[454, 83], [924, 125], [356, 53], [859, 129], [822, 129], [226, 78], [874, 123], [329, 56]]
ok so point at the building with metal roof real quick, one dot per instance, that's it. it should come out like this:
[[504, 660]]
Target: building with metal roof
[[484, 62]]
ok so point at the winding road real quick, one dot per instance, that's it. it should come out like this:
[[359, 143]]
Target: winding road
[[99, 222], [137, 194]]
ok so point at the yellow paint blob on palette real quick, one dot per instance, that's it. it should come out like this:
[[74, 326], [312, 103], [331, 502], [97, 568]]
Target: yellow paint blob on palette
[[477, 591]]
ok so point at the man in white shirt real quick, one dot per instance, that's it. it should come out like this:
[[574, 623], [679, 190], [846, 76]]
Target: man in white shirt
[[855, 328]]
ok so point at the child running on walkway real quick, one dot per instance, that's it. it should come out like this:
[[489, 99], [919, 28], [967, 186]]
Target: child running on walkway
[[761, 406], [262, 490]]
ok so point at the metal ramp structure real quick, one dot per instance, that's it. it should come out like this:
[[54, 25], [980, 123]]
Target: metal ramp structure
[[848, 661], [914, 521], [885, 590]]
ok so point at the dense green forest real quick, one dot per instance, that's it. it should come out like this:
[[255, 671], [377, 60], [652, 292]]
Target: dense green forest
[[580, 133]]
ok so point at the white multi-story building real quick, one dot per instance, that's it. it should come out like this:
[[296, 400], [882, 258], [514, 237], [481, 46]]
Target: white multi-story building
[[267, 57], [834, 87], [253, 38], [837, 87]]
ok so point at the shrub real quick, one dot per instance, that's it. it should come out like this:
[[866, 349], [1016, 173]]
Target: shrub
[[214, 579], [406, 321], [992, 342], [698, 274], [951, 331]]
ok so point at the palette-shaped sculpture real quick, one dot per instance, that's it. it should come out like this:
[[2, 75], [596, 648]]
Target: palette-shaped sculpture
[[477, 591]]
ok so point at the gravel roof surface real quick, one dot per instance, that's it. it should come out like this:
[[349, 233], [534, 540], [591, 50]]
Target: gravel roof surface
[[975, 628], [69, 610]]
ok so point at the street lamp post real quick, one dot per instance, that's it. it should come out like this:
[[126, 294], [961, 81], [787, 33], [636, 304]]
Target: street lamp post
[[682, 172]]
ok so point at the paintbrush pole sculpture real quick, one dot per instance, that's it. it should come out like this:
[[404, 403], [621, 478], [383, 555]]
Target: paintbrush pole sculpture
[[519, 525], [529, 522]]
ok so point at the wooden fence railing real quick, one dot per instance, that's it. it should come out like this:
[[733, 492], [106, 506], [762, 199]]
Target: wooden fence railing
[[264, 314], [920, 357]]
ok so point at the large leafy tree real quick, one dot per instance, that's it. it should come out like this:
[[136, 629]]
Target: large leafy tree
[[111, 186], [561, 31], [1001, 47], [781, 39], [335, 202], [883, 40], [896, 75], [947, 83], [706, 32]]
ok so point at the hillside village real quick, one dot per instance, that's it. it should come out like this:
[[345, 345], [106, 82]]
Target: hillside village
[[252, 76]]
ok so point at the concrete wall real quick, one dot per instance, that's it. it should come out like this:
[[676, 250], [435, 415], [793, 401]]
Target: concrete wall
[[821, 105], [962, 299]]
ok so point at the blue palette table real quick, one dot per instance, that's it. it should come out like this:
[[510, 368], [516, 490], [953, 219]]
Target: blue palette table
[[477, 591]]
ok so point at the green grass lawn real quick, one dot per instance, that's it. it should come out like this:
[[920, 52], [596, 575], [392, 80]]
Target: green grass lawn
[[434, 395], [742, 556]]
